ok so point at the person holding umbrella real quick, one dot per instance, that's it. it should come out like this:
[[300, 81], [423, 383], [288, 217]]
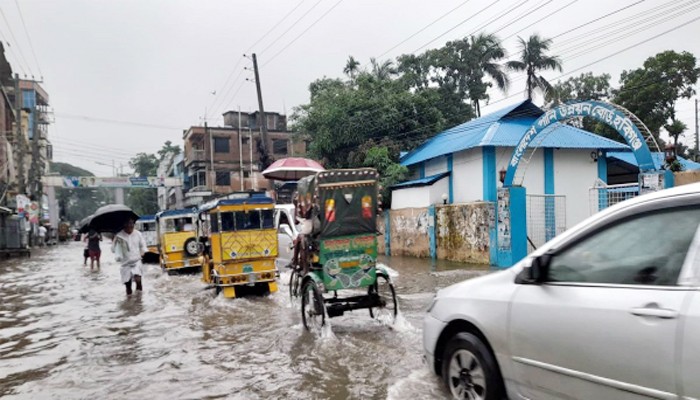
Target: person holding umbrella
[[129, 246]]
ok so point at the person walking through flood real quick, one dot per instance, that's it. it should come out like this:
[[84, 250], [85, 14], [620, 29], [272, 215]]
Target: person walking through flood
[[94, 239], [129, 246]]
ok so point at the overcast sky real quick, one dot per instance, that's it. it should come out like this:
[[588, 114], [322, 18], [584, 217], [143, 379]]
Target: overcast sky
[[125, 76]]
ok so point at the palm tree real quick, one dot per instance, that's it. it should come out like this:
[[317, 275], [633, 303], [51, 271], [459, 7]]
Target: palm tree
[[487, 49], [675, 129], [534, 58], [352, 66], [383, 70]]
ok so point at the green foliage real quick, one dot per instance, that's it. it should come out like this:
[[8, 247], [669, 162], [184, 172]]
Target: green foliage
[[66, 169], [583, 87], [390, 172], [651, 92], [167, 149], [144, 164], [534, 58], [142, 200]]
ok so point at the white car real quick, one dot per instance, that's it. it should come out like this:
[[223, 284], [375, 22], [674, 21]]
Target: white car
[[286, 233], [608, 310]]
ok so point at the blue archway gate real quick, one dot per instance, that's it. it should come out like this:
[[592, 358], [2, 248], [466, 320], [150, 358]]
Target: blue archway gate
[[511, 203]]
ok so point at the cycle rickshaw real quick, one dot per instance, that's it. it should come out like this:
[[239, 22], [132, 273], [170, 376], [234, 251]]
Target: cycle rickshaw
[[340, 253]]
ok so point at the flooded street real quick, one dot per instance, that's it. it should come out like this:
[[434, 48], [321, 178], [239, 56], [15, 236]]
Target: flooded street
[[69, 333]]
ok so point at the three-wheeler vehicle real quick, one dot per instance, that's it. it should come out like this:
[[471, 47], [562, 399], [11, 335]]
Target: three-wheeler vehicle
[[146, 224], [241, 245], [178, 242], [340, 253]]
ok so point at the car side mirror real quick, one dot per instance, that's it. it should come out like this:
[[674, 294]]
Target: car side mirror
[[284, 228], [539, 269]]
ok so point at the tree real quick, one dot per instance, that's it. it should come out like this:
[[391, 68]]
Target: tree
[[675, 129], [485, 51], [144, 164], [651, 92], [352, 67], [383, 70], [168, 148], [534, 58], [583, 87], [143, 200], [391, 172]]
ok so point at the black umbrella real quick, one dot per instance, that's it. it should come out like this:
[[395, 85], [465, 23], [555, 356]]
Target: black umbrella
[[111, 218], [85, 224]]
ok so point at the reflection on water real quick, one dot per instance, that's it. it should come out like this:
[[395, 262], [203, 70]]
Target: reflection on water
[[68, 332]]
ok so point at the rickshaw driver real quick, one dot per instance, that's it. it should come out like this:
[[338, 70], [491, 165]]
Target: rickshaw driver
[[301, 245]]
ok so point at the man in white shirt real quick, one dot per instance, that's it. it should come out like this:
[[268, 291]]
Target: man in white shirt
[[129, 246], [42, 235]]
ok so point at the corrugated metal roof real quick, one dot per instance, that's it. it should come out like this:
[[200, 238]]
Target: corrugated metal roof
[[505, 128], [427, 181], [659, 159]]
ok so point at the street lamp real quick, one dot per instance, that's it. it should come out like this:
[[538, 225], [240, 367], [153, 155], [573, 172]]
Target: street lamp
[[444, 198], [502, 175]]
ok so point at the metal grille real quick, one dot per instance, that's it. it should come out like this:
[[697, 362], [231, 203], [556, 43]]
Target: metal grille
[[546, 218], [603, 196]]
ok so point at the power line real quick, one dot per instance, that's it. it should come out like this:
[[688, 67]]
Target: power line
[[521, 15], [499, 16], [115, 121], [275, 26], [14, 39], [424, 28], [292, 26], [598, 19], [302, 33], [541, 19], [456, 26], [29, 39]]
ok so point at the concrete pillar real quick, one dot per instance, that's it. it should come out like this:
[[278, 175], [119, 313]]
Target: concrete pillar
[[119, 195], [178, 197], [511, 223], [53, 206]]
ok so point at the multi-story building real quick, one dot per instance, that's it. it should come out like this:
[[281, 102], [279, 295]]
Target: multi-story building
[[233, 165]]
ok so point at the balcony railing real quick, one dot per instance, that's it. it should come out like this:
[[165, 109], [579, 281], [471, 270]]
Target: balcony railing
[[196, 155]]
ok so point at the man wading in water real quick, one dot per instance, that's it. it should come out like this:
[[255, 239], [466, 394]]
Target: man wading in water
[[128, 247]]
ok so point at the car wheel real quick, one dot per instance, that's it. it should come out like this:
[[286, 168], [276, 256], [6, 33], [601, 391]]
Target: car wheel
[[469, 369]]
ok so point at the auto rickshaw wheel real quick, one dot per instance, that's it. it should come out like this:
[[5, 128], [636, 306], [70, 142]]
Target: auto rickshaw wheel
[[385, 290], [191, 247], [313, 309]]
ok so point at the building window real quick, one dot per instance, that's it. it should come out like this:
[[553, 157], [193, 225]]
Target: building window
[[307, 145], [245, 140], [199, 178], [223, 178], [246, 174], [221, 145], [279, 147]]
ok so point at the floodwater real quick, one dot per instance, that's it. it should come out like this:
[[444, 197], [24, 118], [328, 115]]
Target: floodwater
[[69, 333]]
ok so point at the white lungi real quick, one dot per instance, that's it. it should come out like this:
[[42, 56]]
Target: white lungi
[[128, 270]]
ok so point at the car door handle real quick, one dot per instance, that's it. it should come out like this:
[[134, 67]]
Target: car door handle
[[653, 310]]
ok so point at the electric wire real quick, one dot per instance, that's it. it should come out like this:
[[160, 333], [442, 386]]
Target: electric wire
[[423, 28], [302, 33], [522, 15], [539, 20], [29, 39], [14, 40], [495, 18], [291, 27]]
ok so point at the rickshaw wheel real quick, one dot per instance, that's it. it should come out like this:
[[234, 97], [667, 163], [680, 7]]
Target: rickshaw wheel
[[294, 281], [313, 310], [385, 289]]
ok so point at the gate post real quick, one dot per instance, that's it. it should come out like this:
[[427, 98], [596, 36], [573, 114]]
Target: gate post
[[511, 222], [387, 232], [431, 233]]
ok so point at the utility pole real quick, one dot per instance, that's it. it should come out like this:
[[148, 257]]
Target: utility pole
[[240, 151], [252, 172], [21, 183], [696, 130], [264, 155], [212, 174]]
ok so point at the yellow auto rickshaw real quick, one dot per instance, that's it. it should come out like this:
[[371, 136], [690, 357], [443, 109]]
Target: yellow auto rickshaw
[[178, 241], [241, 245]]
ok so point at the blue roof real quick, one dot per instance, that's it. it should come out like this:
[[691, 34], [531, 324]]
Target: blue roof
[[505, 128], [659, 159], [427, 181], [175, 213], [146, 218]]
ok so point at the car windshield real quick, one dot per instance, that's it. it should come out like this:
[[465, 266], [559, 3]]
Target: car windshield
[[180, 224], [247, 220]]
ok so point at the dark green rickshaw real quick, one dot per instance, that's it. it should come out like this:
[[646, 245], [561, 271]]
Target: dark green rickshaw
[[342, 249]]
